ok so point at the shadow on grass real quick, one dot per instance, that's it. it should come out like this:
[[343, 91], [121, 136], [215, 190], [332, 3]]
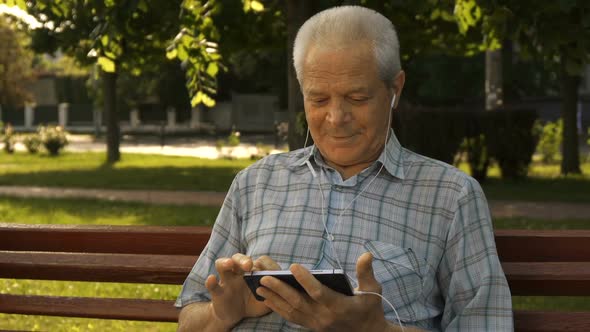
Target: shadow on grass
[[97, 212], [157, 178]]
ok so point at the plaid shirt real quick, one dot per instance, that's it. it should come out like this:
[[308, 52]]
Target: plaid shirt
[[426, 223]]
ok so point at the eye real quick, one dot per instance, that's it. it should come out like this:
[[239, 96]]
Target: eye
[[319, 101], [358, 99]]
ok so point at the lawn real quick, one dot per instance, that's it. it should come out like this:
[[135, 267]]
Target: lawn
[[95, 212], [134, 171], [139, 171]]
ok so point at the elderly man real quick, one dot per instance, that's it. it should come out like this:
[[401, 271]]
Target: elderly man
[[413, 229]]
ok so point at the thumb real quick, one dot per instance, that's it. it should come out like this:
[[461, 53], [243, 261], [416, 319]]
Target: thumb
[[365, 275]]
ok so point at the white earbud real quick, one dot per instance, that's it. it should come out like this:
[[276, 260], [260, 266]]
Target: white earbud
[[393, 101], [313, 173]]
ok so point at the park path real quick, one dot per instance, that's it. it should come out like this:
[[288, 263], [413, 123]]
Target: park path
[[499, 209]]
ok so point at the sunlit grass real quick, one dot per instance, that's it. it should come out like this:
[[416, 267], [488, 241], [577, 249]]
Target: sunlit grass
[[97, 212], [134, 171]]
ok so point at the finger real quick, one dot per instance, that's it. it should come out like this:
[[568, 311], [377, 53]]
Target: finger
[[225, 268], [292, 296], [243, 262], [312, 286], [213, 286], [265, 263], [278, 304], [365, 274]]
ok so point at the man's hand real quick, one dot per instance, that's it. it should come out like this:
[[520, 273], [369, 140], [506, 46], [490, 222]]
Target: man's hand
[[231, 299], [324, 309]]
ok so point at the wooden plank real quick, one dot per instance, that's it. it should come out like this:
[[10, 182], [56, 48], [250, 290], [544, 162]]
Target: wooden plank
[[160, 269], [106, 308], [543, 246], [545, 321], [548, 278], [162, 310], [174, 240]]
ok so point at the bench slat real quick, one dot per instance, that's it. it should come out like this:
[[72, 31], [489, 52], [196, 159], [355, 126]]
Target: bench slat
[[549, 278], [546, 321], [160, 269], [174, 240], [164, 311], [543, 246], [126, 309]]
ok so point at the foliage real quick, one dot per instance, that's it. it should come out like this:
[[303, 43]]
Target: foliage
[[233, 139], [478, 157], [436, 133], [512, 139], [550, 141], [61, 66], [54, 138], [15, 64], [195, 47], [32, 142], [554, 31], [7, 137]]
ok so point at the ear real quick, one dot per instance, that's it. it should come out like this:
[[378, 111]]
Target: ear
[[398, 86]]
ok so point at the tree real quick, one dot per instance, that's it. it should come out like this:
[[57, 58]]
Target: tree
[[15, 65], [124, 36], [555, 31]]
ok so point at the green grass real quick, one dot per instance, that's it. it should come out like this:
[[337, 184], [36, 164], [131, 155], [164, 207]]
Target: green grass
[[559, 303], [543, 184], [528, 223], [134, 171], [140, 171], [93, 289], [95, 212]]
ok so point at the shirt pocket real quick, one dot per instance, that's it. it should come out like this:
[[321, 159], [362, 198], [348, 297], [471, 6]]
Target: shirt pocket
[[401, 275]]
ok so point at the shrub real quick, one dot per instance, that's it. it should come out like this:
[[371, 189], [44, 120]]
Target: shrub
[[233, 139], [550, 141], [54, 138], [7, 137], [478, 157], [511, 140], [434, 133], [32, 143]]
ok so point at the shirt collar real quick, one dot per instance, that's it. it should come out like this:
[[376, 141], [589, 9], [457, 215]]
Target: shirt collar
[[391, 157]]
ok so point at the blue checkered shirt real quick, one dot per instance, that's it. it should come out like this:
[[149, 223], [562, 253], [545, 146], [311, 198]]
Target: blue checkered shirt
[[426, 223]]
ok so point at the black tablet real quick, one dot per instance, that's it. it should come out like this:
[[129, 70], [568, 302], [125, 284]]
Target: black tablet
[[334, 279]]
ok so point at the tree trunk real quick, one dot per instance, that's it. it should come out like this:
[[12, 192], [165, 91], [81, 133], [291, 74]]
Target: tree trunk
[[111, 116], [493, 84], [570, 163], [297, 12]]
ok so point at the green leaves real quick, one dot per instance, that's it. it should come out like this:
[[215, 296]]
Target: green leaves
[[253, 5], [194, 47], [468, 14], [106, 64]]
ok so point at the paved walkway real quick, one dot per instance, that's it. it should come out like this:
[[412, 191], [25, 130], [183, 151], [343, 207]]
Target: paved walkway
[[539, 210]]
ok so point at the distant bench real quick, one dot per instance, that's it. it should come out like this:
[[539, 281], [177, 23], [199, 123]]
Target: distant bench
[[537, 263]]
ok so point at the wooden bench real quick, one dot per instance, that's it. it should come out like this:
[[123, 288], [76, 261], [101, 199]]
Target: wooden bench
[[548, 263]]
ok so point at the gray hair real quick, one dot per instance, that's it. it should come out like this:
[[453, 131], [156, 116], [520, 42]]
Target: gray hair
[[340, 26]]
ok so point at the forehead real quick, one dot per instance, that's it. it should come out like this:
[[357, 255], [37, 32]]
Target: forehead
[[351, 67]]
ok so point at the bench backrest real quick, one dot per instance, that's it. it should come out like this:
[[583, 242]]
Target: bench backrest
[[535, 262]]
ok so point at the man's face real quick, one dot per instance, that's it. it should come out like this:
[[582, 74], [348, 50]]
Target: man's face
[[346, 104]]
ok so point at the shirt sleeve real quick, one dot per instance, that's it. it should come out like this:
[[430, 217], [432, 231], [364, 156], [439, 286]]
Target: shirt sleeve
[[224, 242], [477, 297]]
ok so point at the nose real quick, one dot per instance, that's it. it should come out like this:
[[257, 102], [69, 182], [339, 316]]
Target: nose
[[338, 114]]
